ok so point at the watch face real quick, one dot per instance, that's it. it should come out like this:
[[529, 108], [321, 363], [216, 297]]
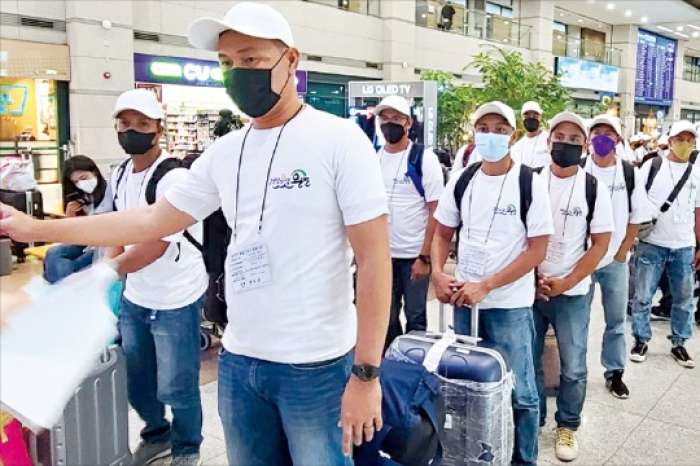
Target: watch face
[[365, 372]]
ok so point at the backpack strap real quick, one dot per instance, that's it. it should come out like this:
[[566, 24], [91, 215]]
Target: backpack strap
[[463, 182], [591, 195], [415, 167], [693, 157], [583, 161], [628, 172], [677, 189], [526, 175], [120, 174], [653, 171]]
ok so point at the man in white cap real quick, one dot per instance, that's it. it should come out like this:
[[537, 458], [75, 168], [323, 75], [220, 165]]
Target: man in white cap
[[165, 284], [532, 149], [663, 147], [413, 181], [583, 223], [500, 212], [302, 190], [673, 189], [630, 208]]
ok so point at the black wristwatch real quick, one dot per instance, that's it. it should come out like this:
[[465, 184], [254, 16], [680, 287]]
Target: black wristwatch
[[424, 258], [365, 372]]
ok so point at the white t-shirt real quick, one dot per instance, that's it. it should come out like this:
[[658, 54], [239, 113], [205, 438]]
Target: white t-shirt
[[458, 163], [532, 152], [569, 209], [408, 210], [614, 178], [507, 238], [325, 176], [176, 279], [674, 229]]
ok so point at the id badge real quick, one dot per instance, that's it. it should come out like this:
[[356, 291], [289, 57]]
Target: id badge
[[250, 267], [683, 216], [555, 252], [473, 261]]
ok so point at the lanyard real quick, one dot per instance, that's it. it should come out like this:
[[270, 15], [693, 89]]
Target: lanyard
[[267, 182], [498, 202], [673, 181], [126, 183], [568, 203], [398, 169], [534, 149]]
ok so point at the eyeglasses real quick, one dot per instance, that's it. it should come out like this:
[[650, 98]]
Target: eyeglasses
[[399, 120]]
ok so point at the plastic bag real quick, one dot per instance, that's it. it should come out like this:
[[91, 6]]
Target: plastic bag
[[17, 174]]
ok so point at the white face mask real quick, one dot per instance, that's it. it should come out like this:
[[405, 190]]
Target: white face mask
[[87, 186]]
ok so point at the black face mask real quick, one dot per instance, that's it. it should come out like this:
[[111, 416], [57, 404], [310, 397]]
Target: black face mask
[[566, 155], [393, 132], [531, 124], [135, 143], [251, 89]]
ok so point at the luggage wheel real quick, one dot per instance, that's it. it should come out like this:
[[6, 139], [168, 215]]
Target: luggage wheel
[[204, 341]]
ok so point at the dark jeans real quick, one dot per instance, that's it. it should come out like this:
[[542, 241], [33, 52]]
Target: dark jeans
[[162, 367], [412, 296], [63, 260]]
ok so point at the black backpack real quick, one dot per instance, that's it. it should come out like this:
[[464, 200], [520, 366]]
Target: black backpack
[[628, 173], [216, 238], [656, 162]]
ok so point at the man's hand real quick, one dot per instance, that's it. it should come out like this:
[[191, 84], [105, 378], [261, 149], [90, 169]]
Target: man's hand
[[360, 412], [445, 286], [16, 225], [419, 270], [621, 257], [696, 262], [470, 293], [543, 288], [556, 286], [73, 209]]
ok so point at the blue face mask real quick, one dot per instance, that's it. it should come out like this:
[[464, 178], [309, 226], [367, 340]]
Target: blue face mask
[[492, 147]]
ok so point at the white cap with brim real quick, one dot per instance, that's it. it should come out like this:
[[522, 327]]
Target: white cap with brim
[[635, 138], [609, 120], [250, 19], [393, 102], [663, 140], [496, 108], [568, 117], [139, 100], [531, 106], [683, 126]]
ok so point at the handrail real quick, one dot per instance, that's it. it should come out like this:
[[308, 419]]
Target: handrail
[[576, 47], [365, 7]]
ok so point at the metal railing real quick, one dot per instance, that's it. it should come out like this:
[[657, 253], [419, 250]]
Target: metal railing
[[472, 23], [575, 47], [365, 7]]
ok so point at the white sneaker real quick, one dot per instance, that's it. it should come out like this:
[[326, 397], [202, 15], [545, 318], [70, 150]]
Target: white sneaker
[[566, 446]]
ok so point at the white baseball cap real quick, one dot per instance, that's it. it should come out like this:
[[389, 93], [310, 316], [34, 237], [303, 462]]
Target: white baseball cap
[[394, 102], [250, 19], [568, 117], [140, 100], [663, 140], [683, 126], [496, 108], [609, 120], [635, 138], [531, 106]]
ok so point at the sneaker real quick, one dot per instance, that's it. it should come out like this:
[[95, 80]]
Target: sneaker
[[682, 357], [186, 460], [659, 313], [639, 352], [616, 386], [147, 453], [566, 445]]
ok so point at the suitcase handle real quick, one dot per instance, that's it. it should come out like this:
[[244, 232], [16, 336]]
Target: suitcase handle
[[474, 324]]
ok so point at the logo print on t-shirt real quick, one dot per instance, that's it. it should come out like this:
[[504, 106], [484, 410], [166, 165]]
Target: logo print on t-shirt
[[405, 180], [507, 210], [575, 212], [298, 179]]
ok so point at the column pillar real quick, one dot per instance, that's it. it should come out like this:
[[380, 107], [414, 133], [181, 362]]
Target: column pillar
[[625, 38], [539, 15], [399, 42]]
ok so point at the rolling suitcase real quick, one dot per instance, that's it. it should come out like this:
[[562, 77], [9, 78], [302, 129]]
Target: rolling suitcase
[[94, 430], [31, 203], [477, 386]]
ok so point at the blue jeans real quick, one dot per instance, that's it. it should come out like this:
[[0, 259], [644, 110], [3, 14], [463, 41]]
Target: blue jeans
[[413, 297], [678, 263], [570, 317], [161, 349], [614, 282], [63, 260], [282, 414], [512, 330]]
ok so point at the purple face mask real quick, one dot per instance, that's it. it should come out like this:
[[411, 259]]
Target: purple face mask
[[603, 145]]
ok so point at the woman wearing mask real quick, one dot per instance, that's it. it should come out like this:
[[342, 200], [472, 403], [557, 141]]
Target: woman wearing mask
[[84, 193]]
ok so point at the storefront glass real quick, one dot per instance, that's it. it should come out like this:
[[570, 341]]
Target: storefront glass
[[28, 110]]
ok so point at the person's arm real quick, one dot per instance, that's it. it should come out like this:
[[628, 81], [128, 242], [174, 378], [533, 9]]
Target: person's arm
[[134, 226], [440, 251], [113, 252], [474, 293], [362, 401], [420, 269], [585, 267], [627, 243], [139, 256], [697, 237]]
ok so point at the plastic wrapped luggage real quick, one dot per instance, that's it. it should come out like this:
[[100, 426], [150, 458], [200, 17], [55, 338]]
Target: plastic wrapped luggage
[[477, 386], [94, 429]]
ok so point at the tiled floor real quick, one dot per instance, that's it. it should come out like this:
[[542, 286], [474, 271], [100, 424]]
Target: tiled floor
[[658, 425]]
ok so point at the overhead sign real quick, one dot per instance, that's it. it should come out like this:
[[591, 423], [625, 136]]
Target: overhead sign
[[656, 63], [582, 74], [183, 71]]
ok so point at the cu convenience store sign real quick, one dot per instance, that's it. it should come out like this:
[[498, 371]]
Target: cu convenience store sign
[[183, 71]]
